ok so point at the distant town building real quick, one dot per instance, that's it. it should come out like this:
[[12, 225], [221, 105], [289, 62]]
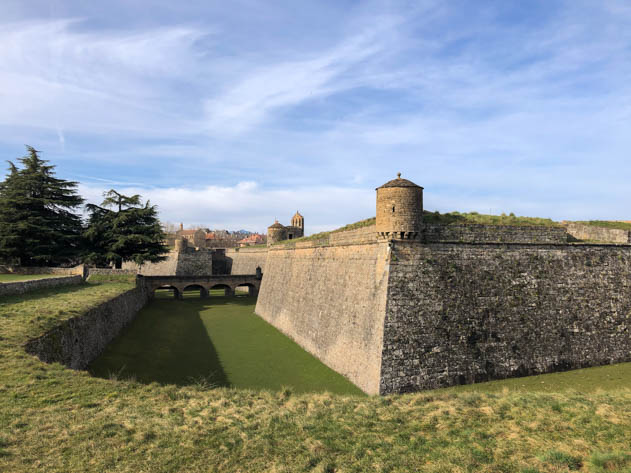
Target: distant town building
[[254, 239]]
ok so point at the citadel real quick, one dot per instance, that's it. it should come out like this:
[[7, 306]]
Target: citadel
[[403, 305]]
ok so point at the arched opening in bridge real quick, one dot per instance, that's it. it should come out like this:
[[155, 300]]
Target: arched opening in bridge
[[164, 292], [195, 290], [246, 289], [220, 290]]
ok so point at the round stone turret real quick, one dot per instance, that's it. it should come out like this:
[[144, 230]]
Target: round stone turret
[[399, 209], [275, 233]]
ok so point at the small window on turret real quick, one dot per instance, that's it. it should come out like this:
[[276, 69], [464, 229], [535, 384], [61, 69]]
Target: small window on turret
[[393, 209]]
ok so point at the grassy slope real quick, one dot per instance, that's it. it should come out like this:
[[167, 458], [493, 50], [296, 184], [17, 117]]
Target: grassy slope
[[219, 339], [608, 224], [55, 419], [451, 218], [26, 277]]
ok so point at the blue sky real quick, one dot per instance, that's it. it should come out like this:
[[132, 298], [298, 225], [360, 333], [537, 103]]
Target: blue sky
[[231, 114]]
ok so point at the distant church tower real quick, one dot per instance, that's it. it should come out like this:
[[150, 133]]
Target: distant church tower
[[298, 221], [278, 232], [399, 209]]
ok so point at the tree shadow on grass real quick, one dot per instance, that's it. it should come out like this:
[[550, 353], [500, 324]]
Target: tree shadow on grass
[[167, 343]]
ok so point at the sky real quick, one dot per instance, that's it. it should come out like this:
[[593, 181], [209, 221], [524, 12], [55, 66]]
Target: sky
[[234, 114]]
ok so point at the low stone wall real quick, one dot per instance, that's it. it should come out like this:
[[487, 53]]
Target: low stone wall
[[360, 235], [331, 301], [246, 260], [22, 287], [433, 233], [590, 232], [79, 340], [466, 313]]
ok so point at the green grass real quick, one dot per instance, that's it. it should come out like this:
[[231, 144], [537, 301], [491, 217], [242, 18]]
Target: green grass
[[457, 218], [451, 218], [219, 340], [27, 277], [112, 278], [601, 378], [53, 419], [608, 224]]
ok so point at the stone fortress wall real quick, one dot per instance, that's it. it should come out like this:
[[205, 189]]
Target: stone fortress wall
[[245, 260], [427, 306], [331, 301], [460, 313], [581, 231]]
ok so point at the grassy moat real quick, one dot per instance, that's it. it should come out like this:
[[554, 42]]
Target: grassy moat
[[217, 341], [53, 419]]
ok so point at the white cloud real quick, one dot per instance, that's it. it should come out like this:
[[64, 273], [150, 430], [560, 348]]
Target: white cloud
[[248, 206]]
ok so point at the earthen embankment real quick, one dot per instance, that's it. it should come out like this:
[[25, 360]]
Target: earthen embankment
[[79, 340]]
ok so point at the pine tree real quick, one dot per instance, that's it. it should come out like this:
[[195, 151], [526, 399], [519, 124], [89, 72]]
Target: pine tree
[[130, 232], [38, 225]]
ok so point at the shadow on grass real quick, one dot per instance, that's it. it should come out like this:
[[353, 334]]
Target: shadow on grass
[[167, 343]]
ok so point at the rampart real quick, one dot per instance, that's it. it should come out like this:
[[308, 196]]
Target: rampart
[[330, 300], [79, 340], [473, 233], [189, 262], [245, 260], [22, 287], [397, 316], [467, 313], [581, 231]]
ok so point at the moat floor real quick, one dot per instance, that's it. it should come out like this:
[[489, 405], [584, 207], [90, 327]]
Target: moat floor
[[217, 341]]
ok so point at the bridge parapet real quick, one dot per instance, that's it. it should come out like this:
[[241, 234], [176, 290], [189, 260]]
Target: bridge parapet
[[203, 283]]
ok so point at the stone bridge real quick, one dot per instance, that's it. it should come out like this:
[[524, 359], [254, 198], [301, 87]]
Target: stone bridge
[[228, 282]]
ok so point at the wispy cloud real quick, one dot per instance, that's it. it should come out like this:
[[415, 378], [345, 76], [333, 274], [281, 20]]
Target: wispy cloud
[[496, 105]]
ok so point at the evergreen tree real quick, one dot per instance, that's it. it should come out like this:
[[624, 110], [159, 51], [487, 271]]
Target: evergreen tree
[[130, 232], [38, 225]]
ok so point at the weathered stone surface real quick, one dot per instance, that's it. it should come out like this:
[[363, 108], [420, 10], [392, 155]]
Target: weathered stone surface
[[330, 300], [250, 283], [399, 209], [467, 313], [180, 263], [589, 232], [246, 260], [79, 340], [22, 287], [473, 233]]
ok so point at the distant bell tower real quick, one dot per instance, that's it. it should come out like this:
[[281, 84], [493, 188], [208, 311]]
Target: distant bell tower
[[298, 221], [399, 209]]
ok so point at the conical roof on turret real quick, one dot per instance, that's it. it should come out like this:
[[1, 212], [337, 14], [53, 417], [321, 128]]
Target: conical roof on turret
[[296, 215], [399, 182]]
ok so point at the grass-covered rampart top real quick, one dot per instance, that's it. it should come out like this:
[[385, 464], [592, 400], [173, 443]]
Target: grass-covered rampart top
[[450, 218], [607, 224], [53, 419]]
